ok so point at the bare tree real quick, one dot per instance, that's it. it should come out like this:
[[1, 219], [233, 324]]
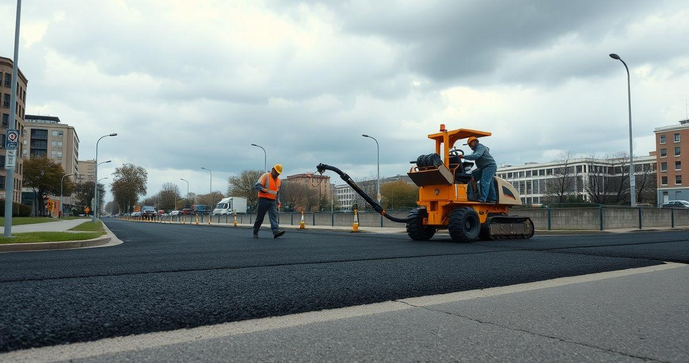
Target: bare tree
[[562, 184], [647, 184], [243, 186]]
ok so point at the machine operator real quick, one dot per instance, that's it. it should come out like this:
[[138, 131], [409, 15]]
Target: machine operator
[[485, 169]]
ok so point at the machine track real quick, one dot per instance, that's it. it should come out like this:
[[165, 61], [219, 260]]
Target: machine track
[[499, 228]]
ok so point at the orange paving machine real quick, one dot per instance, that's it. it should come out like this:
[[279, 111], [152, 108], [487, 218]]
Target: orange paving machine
[[446, 196]]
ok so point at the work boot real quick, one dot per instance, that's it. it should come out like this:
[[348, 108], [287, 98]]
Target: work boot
[[255, 235], [278, 234]]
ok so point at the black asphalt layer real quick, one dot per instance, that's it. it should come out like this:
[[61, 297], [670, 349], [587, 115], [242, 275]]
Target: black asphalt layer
[[167, 277]]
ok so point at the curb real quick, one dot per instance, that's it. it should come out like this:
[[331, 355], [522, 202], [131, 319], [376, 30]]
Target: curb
[[61, 245]]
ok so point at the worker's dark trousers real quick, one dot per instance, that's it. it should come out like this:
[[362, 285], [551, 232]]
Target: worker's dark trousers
[[270, 206]]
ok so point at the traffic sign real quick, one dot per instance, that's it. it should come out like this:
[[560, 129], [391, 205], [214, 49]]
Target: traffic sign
[[10, 158], [12, 141]]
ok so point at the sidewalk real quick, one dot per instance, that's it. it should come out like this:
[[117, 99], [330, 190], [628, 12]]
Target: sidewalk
[[57, 226]]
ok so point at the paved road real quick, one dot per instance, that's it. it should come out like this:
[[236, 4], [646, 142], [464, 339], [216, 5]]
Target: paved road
[[166, 277]]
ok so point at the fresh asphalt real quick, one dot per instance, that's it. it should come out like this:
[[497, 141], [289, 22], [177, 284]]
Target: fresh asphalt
[[167, 277]]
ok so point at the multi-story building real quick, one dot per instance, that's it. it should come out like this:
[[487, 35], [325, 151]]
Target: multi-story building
[[319, 183], [532, 179], [52, 139], [673, 162], [87, 171], [6, 66], [47, 137], [347, 197]]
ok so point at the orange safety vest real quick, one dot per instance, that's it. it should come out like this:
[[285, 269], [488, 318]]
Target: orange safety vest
[[273, 186]]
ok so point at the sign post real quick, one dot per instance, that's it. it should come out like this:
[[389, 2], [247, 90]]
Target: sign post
[[11, 156]]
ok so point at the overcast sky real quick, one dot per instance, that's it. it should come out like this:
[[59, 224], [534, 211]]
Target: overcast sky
[[188, 84]]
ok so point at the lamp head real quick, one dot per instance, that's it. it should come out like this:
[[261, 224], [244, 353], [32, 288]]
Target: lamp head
[[113, 134], [254, 145], [614, 56], [364, 135]]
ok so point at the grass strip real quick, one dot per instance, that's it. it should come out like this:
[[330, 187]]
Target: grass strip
[[30, 237], [18, 221], [89, 226]]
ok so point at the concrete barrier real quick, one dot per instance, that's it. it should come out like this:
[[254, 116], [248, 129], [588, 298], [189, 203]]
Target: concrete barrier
[[589, 218]]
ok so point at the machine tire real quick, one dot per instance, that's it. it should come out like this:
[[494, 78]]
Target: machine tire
[[415, 229], [464, 225]]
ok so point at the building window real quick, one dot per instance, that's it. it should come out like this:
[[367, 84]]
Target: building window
[[59, 154], [663, 153], [528, 174], [678, 165], [53, 143], [59, 144], [678, 151], [662, 139], [678, 179], [676, 138], [54, 133], [8, 80], [60, 134], [663, 180], [663, 166], [5, 120], [6, 101]]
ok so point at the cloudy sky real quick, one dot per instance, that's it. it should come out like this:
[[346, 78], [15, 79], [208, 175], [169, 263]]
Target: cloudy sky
[[188, 84]]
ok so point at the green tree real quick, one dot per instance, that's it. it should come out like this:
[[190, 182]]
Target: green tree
[[399, 195], [243, 186], [83, 193], [43, 176], [129, 183]]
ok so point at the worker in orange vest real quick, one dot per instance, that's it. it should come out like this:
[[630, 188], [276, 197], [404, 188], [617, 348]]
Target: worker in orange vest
[[268, 186]]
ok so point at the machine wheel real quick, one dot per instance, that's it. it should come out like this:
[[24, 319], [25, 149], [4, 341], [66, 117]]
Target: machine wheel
[[415, 229], [464, 225]]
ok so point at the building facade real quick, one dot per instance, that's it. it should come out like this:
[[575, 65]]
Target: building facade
[[586, 176], [347, 197], [46, 136], [6, 66], [87, 171], [673, 161], [316, 182]]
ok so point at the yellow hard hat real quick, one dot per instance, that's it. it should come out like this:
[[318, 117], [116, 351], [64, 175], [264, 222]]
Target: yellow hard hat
[[278, 168], [470, 139]]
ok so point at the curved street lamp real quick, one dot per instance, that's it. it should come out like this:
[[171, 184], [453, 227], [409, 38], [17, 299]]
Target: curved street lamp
[[632, 177], [95, 178], [211, 186], [265, 157], [378, 163]]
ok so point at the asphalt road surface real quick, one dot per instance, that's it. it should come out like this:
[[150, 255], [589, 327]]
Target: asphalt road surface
[[167, 277]]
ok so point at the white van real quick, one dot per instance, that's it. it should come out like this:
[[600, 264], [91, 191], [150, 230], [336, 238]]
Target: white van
[[230, 205]]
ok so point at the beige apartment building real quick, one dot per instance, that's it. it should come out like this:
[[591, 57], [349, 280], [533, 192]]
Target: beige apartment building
[[52, 139], [673, 161], [87, 171], [6, 66]]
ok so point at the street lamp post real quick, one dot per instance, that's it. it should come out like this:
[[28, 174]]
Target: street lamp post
[[187, 187], [632, 177], [265, 158], [9, 185], [378, 164], [95, 186], [95, 196], [99, 182], [211, 185], [62, 208]]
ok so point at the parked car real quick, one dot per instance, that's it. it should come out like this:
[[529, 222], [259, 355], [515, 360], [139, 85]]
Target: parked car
[[148, 211], [175, 213], [676, 204], [136, 214]]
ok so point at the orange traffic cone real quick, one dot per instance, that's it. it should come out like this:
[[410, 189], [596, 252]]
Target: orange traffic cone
[[235, 219], [355, 226], [302, 225]]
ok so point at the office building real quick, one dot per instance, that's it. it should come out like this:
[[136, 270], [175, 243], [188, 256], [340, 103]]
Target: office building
[[673, 161], [6, 66]]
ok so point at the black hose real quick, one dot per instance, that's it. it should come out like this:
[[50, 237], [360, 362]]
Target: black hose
[[323, 167]]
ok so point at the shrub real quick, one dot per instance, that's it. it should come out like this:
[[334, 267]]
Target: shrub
[[18, 210]]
